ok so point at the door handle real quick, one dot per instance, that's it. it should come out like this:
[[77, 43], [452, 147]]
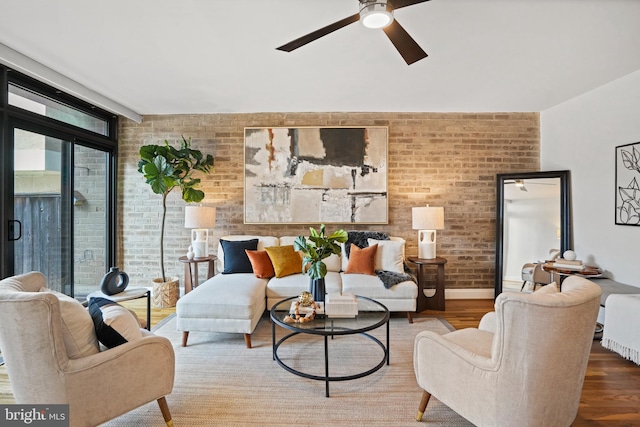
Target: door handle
[[12, 229]]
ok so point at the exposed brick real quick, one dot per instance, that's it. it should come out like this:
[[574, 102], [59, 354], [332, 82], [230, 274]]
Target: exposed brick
[[441, 159]]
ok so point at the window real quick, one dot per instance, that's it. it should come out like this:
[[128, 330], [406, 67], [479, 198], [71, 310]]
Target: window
[[41, 104]]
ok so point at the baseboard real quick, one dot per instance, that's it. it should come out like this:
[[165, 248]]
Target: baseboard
[[483, 293]]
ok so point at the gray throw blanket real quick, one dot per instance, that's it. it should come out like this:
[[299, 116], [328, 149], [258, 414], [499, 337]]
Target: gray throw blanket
[[390, 278], [360, 239]]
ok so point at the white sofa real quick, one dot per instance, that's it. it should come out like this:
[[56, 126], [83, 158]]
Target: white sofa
[[234, 303]]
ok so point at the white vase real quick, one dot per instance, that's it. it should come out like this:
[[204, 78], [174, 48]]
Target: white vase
[[190, 253]]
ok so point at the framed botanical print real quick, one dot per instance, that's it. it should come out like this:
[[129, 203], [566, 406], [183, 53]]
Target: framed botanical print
[[627, 184]]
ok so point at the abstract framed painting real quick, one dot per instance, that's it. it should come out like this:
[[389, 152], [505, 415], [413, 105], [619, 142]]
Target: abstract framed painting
[[627, 184], [313, 175]]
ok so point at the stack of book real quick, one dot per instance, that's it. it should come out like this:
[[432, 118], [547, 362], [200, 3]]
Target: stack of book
[[341, 305], [566, 264]]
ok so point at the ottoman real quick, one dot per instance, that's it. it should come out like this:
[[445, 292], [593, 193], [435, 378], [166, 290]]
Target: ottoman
[[230, 303]]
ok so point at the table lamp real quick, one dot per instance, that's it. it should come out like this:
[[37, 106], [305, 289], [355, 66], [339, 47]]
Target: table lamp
[[200, 219], [427, 220]]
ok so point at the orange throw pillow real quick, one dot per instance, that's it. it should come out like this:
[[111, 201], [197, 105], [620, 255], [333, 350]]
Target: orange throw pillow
[[261, 264], [362, 261]]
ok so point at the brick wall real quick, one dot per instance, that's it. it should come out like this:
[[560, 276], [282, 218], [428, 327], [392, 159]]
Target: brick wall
[[441, 159]]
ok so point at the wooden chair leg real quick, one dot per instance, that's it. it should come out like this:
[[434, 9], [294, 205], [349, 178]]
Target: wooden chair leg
[[247, 340], [423, 405], [164, 408], [185, 336], [410, 317]]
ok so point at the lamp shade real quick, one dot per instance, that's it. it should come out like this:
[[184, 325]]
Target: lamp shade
[[427, 218], [199, 217]]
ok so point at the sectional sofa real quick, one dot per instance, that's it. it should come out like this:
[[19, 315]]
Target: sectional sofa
[[234, 300]]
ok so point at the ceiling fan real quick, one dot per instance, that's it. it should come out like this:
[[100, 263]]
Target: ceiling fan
[[520, 183], [373, 14]]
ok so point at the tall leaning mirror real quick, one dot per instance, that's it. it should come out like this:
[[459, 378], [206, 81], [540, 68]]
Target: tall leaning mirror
[[533, 222]]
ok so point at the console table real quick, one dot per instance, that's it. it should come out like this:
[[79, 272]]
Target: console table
[[435, 302], [191, 277]]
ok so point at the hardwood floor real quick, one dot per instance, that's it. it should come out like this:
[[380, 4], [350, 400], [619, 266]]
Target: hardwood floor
[[610, 396]]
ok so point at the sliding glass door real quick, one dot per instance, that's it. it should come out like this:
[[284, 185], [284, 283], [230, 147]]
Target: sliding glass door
[[41, 222], [59, 220]]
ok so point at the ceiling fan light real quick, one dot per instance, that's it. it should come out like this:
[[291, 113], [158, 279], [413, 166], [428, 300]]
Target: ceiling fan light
[[376, 15]]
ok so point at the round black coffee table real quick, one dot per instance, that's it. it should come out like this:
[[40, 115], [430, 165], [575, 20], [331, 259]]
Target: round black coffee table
[[371, 315]]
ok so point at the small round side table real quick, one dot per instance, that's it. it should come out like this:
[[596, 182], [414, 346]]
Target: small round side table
[[191, 270]]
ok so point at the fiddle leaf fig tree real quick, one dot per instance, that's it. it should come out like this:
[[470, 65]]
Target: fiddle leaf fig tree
[[318, 247], [165, 167]]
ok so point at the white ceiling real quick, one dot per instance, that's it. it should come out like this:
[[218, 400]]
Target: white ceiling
[[213, 56]]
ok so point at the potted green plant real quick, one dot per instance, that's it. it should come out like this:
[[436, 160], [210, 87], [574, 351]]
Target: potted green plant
[[164, 168], [315, 248]]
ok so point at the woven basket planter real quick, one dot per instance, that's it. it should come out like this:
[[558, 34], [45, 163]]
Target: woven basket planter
[[165, 294]]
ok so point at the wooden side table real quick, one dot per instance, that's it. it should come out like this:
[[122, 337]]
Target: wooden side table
[[191, 270], [562, 273], [435, 302]]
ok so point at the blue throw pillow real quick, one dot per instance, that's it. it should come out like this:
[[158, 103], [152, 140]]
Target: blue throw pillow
[[235, 257]]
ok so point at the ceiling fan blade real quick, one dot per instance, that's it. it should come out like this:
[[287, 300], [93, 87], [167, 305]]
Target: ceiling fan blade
[[397, 4], [301, 41], [404, 43]]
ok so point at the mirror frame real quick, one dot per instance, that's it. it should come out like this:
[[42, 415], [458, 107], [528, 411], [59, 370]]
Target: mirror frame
[[566, 238]]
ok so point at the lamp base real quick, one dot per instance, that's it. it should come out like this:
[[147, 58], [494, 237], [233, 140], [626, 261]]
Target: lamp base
[[427, 244], [200, 242], [199, 249], [427, 250]]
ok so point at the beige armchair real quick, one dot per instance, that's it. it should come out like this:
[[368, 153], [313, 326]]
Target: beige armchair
[[534, 274], [523, 366], [97, 387]]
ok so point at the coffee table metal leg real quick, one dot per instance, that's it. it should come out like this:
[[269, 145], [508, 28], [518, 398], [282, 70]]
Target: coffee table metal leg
[[273, 340], [388, 347], [326, 365], [148, 310]]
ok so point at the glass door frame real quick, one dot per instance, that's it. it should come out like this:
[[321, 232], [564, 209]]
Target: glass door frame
[[12, 117]]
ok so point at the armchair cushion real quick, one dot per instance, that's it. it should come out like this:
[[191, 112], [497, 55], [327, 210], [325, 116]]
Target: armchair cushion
[[551, 288], [78, 332], [114, 324]]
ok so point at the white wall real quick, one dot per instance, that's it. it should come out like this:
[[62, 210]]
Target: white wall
[[530, 232], [581, 135]]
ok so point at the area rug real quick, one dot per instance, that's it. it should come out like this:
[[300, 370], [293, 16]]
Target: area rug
[[219, 382]]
